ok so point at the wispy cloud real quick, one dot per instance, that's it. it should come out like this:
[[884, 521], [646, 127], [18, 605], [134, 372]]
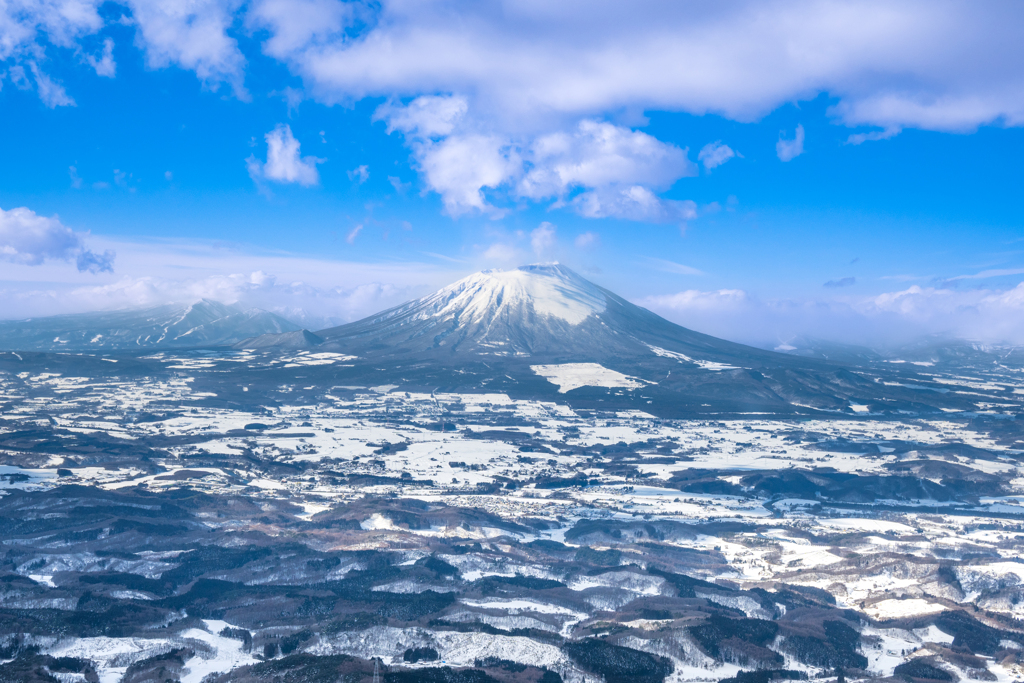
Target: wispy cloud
[[360, 174], [673, 267], [714, 154], [986, 274], [789, 149], [841, 282], [542, 239], [882, 319], [871, 136]]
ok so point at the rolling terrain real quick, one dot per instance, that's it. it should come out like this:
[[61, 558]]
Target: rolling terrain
[[521, 478]]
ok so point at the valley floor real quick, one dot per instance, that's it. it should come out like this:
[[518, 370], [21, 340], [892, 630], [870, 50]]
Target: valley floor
[[153, 531]]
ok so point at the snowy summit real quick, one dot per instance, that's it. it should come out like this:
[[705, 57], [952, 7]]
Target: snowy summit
[[541, 289]]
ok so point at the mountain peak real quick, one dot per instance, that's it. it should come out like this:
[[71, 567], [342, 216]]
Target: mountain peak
[[543, 289], [536, 310]]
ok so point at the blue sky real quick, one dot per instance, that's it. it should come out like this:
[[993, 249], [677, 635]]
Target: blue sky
[[760, 171]]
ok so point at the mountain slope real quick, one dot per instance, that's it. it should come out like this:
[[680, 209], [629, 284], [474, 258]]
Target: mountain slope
[[205, 323], [543, 330], [542, 311]]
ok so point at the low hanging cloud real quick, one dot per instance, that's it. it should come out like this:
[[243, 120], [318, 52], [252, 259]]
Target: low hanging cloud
[[308, 305], [30, 239], [284, 163], [880, 320], [309, 290]]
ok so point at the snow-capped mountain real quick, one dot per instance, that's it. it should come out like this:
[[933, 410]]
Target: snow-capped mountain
[[204, 323], [532, 311], [545, 313], [544, 329]]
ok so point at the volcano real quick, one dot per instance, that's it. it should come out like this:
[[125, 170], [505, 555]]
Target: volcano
[[544, 312], [543, 330]]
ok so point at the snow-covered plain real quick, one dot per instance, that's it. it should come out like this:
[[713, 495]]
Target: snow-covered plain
[[521, 459]]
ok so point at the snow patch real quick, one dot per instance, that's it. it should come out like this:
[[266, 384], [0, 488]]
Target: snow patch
[[703, 364], [569, 376], [551, 290], [897, 609]]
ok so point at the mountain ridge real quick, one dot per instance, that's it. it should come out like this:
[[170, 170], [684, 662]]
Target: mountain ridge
[[202, 323]]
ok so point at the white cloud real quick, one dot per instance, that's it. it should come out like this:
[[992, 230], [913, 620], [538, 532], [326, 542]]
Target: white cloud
[[587, 240], [284, 163], [635, 203], [26, 27], [537, 67], [354, 233], [985, 274], [162, 271], [915, 64], [360, 172], [308, 305], [104, 65], [885, 134], [461, 167], [502, 253], [400, 187], [601, 155], [50, 91], [622, 166], [889, 318], [296, 24], [425, 117], [714, 154], [91, 262], [30, 239], [509, 91], [673, 267], [790, 149], [542, 239], [192, 35]]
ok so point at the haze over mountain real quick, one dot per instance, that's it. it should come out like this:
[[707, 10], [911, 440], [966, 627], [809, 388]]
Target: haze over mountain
[[204, 323]]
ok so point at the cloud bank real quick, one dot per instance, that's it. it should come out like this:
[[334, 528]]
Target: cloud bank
[[887, 319]]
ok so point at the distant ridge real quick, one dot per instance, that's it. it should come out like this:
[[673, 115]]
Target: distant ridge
[[204, 323], [298, 339]]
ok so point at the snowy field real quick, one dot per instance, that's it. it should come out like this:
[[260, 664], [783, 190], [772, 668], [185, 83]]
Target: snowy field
[[775, 501]]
